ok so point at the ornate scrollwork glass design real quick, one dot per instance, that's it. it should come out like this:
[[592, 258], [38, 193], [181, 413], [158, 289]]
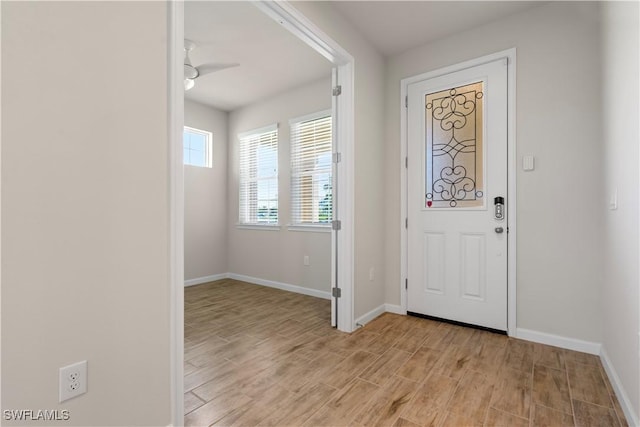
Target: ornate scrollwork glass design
[[454, 147]]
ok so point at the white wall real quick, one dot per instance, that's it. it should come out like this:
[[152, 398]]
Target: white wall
[[277, 255], [620, 296], [559, 257], [370, 199], [85, 209], [205, 198]]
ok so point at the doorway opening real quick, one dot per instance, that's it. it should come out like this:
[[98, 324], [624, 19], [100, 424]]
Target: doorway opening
[[342, 231]]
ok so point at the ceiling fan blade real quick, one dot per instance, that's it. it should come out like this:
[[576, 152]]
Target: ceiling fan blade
[[213, 67]]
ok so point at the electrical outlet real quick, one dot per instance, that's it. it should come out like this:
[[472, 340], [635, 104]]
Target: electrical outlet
[[306, 260], [73, 380]]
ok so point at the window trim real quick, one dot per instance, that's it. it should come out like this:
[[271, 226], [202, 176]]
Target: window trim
[[309, 226], [261, 227], [208, 151]]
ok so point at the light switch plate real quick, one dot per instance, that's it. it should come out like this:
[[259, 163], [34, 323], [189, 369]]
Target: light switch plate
[[528, 163]]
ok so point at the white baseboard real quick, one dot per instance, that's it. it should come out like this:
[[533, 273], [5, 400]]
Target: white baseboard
[[205, 279], [396, 309], [559, 341], [368, 317], [384, 308], [625, 403], [278, 285]]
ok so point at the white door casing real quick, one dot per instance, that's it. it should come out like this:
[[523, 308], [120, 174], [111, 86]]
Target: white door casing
[[457, 261], [342, 274]]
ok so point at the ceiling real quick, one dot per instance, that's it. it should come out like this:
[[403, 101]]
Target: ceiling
[[396, 26], [272, 60]]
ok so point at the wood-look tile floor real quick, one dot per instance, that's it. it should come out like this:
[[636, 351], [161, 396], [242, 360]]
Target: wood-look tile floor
[[256, 356]]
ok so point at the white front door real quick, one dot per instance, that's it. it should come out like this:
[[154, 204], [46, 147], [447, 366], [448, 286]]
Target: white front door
[[457, 175]]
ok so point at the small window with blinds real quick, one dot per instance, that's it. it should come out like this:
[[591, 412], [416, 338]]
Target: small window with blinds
[[311, 150], [259, 177]]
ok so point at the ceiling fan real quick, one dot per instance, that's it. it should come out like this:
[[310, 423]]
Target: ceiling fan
[[191, 73]]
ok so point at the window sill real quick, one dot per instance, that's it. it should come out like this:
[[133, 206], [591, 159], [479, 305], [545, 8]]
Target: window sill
[[312, 228], [262, 227]]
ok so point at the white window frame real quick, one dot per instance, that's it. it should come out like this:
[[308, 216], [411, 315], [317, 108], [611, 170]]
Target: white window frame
[[295, 224], [208, 149], [244, 219]]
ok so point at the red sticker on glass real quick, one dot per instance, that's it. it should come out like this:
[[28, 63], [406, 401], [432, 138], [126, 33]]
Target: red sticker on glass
[[429, 203]]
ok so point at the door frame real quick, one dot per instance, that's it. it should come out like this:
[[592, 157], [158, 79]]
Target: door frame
[[342, 242], [343, 131], [510, 54]]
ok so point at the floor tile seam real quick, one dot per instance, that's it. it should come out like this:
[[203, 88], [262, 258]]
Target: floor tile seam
[[595, 404], [412, 353], [207, 380], [451, 411], [504, 412], [612, 397], [611, 403], [582, 365], [550, 367], [203, 402], [532, 403], [432, 372], [193, 390], [486, 413], [340, 390], [620, 420], [573, 409], [310, 415], [554, 409], [197, 397], [357, 413], [389, 397], [503, 369], [617, 418], [193, 356], [379, 386], [394, 373], [191, 411], [233, 362], [607, 382], [377, 357], [496, 388], [417, 382], [491, 406], [200, 397], [446, 406], [415, 396], [610, 406]]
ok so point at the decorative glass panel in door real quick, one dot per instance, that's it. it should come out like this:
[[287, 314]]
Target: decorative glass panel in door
[[454, 172]]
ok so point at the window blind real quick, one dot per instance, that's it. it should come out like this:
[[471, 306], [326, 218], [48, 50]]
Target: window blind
[[311, 169], [259, 176]]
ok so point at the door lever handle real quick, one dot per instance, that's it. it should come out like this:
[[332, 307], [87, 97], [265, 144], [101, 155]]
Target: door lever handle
[[499, 230]]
